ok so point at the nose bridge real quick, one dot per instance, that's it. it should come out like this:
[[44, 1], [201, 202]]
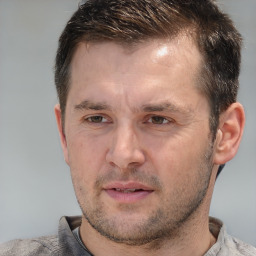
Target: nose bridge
[[125, 148], [126, 135]]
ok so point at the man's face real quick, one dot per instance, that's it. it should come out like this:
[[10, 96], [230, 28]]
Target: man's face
[[137, 137]]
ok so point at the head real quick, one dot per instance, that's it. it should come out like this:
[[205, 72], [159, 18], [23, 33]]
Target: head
[[133, 22], [142, 139]]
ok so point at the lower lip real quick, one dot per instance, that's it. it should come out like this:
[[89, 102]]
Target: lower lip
[[132, 197]]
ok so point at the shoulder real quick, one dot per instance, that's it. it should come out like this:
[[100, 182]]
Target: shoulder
[[227, 244], [29, 247], [239, 248]]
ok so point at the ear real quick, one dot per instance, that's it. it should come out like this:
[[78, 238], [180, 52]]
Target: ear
[[63, 141], [229, 133]]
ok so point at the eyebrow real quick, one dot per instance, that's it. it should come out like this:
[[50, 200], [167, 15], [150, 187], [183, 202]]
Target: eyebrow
[[165, 107], [89, 105], [159, 107]]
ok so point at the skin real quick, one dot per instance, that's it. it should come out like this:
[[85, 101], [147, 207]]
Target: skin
[[135, 119]]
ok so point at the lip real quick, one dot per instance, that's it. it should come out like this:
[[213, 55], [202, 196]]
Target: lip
[[122, 191]]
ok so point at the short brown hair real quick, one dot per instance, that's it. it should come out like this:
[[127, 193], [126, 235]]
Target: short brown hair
[[134, 21]]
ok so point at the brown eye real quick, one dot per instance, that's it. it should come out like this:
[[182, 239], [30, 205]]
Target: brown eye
[[95, 119], [158, 120]]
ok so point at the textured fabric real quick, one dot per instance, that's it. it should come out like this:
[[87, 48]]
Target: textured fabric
[[78, 238], [227, 245], [66, 244]]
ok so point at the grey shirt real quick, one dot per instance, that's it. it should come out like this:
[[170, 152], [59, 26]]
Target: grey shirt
[[67, 243]]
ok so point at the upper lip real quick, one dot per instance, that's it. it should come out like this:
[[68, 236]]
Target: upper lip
[[127, 185]]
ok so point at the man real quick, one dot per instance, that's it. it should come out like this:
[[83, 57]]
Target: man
[[147, 114]]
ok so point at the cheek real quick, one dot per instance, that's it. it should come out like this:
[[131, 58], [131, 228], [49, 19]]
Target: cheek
[[86, 156], [175, 157]]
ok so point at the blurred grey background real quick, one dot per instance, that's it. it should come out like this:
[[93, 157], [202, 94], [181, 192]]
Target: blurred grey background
[[35, 185]]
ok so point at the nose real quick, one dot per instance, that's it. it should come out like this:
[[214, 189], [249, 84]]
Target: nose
[[125, 151]]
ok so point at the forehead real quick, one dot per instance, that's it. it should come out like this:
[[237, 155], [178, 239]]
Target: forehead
[[156, 67], [181, 49]]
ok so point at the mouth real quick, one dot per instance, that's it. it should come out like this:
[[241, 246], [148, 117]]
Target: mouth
[[128, 192]]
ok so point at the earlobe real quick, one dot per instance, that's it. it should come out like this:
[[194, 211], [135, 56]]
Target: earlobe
[[229, 134], [63, 141]]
